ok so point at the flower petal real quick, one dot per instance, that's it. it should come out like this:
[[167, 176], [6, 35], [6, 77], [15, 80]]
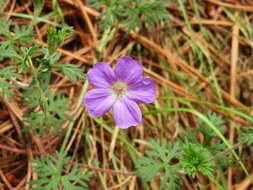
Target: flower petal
[[128, 70], [98, 101], [101, 75], [126, 113], [143, 91]]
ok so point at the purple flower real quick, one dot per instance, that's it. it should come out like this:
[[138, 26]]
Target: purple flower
[[120, 90]]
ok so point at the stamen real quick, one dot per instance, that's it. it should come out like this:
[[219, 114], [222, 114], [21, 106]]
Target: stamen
[[119, 89]]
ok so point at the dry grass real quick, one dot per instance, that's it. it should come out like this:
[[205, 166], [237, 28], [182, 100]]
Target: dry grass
[[205, 55]]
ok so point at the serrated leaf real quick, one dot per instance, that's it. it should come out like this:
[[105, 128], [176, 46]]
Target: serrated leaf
[[52, 114], [56, 37], [246, 136], [195, 158], [157, 161], [51, 173], [71, 71]]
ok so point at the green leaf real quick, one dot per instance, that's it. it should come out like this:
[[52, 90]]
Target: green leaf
[[131, 14], [71, 71], [246, 136], [23, 34], [157, 162], [208, 133], [195, 158], [6, 51], [52, 113], [56, 37], [6, 75], [5, 27], [8, 72], [54, 172]]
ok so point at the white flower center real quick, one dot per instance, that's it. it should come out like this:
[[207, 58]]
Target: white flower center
[[119, 89]]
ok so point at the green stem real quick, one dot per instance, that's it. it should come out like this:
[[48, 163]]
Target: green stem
[[233, 110], [31, 17]]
